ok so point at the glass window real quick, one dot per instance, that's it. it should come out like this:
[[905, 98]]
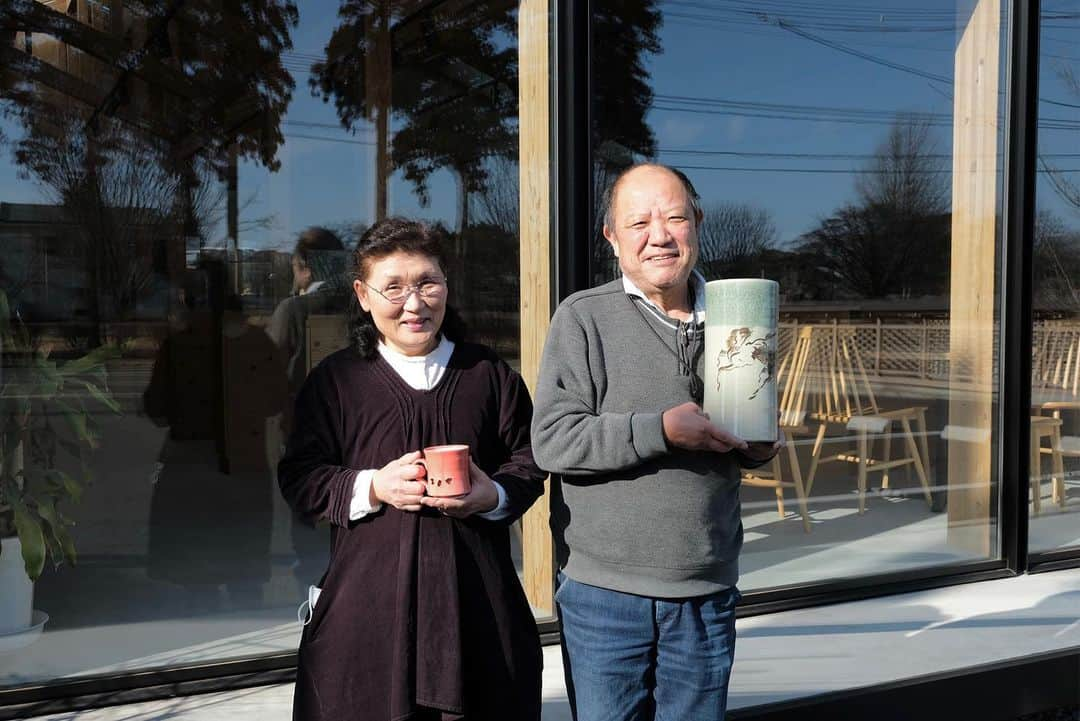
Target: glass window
[[1055, 354], [851, 152], [179, 193]]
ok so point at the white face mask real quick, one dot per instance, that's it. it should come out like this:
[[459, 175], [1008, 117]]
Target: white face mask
[[303, 615]]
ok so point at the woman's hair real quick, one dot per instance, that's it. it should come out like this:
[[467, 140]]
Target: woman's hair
[[385, 238], [319, 250]]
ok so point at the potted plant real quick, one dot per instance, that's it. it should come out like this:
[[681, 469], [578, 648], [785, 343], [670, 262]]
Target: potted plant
[[45, 407]]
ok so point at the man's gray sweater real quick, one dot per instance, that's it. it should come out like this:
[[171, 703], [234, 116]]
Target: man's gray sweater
[[628, 513]]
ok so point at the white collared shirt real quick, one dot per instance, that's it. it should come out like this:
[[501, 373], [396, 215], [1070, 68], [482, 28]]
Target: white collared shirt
[[312, 288], [698, 312]]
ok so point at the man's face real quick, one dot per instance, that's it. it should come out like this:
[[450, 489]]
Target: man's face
[[654, 230]]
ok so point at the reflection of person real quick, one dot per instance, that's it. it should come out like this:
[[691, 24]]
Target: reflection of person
[[318, 266], [206, 529], [318, 270], [420, 612], [646, 512]]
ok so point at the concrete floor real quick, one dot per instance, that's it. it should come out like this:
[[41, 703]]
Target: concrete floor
[[787, 655]]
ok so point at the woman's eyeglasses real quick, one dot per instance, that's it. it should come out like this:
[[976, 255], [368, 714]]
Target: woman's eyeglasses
[[397, 293]]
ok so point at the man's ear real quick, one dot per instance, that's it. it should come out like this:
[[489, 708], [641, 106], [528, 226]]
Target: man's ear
[[361, 291], [699, 216], [609, 234]]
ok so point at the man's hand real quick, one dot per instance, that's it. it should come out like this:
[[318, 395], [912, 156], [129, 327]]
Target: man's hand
[[687, 426], [762, 450], [396, 484], [481, 498]]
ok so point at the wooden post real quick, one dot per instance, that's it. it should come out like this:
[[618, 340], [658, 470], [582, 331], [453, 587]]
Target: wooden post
[[971, 328], [924, 339], [877, 346], [535, 222], [377, 78]]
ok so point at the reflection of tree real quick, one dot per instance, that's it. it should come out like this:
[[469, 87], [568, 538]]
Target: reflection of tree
[[621, 90], [876, 247], [447, 73], [907, 173], [1056, 256], [1062, 184], [497, 204], [1056, 264], [621, 95], [452, 76], [733, 237], [125, 206], [126, 123]]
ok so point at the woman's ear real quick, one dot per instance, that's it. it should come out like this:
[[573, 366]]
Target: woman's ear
[[361, 291]]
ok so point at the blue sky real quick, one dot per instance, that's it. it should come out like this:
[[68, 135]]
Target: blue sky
[[807, 60]]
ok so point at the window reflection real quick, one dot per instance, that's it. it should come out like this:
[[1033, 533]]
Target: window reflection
[[867, 185], [182, 185], [1055, 433]]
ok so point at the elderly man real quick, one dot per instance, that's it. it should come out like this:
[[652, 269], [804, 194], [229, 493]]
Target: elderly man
[[645, 504]]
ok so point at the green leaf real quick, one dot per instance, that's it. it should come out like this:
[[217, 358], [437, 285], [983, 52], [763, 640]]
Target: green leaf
[[52, 547], [75, 449], [32, 539], [76, 420], [61, 547], [91, 361], [67, 544], [102, 397], [49, 381], [62, 481]]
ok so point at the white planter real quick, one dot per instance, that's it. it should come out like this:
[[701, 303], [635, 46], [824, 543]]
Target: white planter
[[17, 597]]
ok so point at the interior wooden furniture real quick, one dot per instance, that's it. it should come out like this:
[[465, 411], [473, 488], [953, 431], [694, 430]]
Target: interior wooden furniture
[[834, 389], [1055, 366], [790, 401], [1055, 388], [1049, 427]]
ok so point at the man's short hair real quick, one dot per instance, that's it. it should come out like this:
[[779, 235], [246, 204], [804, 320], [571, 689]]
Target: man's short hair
[[321, 251], [608, 199]]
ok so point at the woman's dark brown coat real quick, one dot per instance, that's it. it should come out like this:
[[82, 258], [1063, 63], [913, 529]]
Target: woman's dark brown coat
[[421, 616]]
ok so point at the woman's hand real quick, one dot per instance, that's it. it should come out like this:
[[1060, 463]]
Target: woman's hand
[[396, 484], [481, 498]]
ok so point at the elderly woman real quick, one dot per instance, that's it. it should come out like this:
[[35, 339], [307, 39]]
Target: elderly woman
[[420, 614]]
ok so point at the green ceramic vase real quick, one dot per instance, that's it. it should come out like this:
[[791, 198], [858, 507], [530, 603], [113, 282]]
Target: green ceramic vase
[[740, 356]]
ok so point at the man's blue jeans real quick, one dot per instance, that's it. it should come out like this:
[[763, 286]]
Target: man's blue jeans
[[632, 658]]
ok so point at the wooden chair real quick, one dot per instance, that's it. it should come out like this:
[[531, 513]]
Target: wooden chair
[[843, 395], [791, 375], [1055, 365], [1055, 377], [1049, 427]]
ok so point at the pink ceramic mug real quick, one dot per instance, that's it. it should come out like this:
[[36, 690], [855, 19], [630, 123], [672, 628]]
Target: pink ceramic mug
[[446, 470]]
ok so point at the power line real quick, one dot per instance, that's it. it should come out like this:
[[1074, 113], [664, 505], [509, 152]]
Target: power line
[[346, 141], [824, 156], [835, 171]]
